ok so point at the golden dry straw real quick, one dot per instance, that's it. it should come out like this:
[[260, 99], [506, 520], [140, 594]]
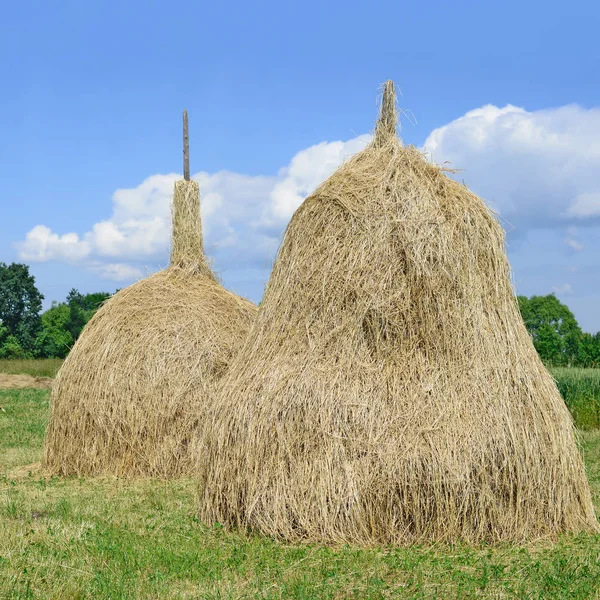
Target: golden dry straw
[[129, 398], [388, 392], [187, 248]]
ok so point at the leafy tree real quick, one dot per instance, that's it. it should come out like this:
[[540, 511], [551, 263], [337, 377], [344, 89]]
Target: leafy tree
[[4, 333], [20, 306], [63, 322], [81, 309], [589, 350], [12, 349], [55, 339], [9, 345], [77, 317], [553, 327], [92, 302]]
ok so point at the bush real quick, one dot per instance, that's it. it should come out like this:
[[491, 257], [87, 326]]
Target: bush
[[11, 348], [55, 339]]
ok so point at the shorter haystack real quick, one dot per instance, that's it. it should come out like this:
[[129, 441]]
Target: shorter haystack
[[130, 396]]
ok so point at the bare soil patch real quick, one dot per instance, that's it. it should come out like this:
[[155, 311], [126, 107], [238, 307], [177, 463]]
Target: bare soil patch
[[17, 382]]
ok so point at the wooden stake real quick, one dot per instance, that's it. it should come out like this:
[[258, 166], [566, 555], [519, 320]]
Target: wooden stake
[[386, 124], [186, 147]]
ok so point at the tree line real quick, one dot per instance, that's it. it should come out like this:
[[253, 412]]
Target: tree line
[[27, 332], [557, 337]]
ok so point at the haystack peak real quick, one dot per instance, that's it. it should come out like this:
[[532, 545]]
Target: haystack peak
[[388, 115]]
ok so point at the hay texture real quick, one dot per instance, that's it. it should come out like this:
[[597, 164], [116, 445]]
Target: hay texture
[[388, 392], [129, 397]]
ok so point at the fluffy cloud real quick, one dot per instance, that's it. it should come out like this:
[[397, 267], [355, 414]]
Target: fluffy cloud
[[563, 290], [585, 205], [538, 169], [116, 271], [41, 244], [306, 172], [242, 215]]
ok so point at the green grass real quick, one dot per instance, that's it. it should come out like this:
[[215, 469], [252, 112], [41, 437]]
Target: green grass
[[40, 367], [109, 538], [22, 425], [580, 389]]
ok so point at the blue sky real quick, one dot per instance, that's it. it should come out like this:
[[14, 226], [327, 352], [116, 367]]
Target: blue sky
[[278, 95]]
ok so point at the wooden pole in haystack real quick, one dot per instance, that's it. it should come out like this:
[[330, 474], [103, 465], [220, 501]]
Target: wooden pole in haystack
[[129, 399], [385, 130], [187, 249], [186, 147]]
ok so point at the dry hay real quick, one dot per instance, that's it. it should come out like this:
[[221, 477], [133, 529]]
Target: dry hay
[[20, 382], [388, 392], [128, 399]]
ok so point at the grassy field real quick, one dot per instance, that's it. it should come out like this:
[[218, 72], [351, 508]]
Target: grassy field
[[580, 389], [109, 538], [44, 367]]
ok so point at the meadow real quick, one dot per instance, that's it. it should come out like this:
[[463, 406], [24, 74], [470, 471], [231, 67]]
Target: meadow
[[580, 389], [113, 538], [42, 367]]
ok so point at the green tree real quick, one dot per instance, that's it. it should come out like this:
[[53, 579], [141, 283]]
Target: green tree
[[82, 308], [553, 327], [20, 306], [55, 339], [11, 348], [63, 322], [92, 302], [77, 316], [9, 344], [589, 350]]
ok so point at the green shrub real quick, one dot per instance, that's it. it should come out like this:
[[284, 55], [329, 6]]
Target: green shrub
[[11, 348], [55, 339]]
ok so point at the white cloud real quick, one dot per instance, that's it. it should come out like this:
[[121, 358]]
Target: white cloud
[[141, 237], [241, 214], [308, 169], [117, 271], [572, 241], [585, 205], [563, 290], [147, 201], [41, 244], [538, 169]]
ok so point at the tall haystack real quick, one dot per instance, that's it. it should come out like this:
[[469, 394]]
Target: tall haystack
[[388, 392], [130, 395]]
